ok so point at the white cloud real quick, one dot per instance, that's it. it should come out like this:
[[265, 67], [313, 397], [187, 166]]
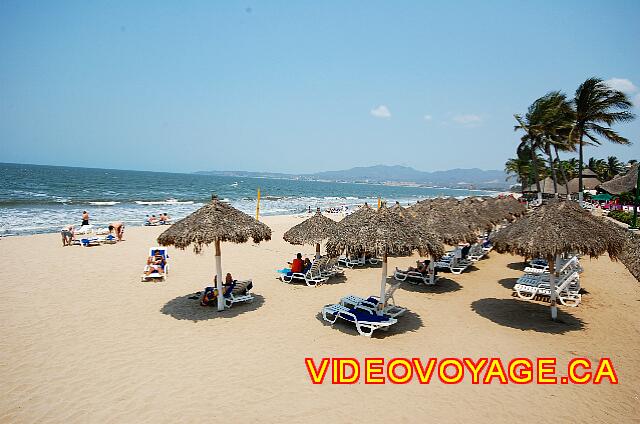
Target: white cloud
[[467, 119], [428, 117], [381, 112], [622, 84], [636, 100]]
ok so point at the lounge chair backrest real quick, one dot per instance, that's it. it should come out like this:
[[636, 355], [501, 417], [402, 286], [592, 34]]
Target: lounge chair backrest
[[163, 251]]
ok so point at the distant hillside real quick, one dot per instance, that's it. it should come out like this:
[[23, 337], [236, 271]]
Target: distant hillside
[[454, 178]]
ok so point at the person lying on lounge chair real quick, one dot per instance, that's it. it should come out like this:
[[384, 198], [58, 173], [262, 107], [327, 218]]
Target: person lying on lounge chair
[[156, 263], [422, 268], [210, 294]]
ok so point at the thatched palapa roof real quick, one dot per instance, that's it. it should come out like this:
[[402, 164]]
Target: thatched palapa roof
[[557, 228], [214, 221], [311, 231], [383, 231], [622, 183]]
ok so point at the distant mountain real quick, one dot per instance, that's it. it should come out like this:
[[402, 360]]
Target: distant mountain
[[454, 178]]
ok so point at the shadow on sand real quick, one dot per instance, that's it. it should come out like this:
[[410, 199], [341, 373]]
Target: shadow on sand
[[525, 315], [517, 266], [188, 307], [508, 283], [444, 285], [408, 322]]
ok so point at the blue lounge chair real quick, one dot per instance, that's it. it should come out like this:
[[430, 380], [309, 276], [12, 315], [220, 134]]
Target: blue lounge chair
[[365, 321]]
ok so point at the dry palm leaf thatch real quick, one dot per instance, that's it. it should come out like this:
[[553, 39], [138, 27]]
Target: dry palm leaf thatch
[[311, 231], [622, 183], [512, 206], [215, 221], [631, 254], [439, 217], [557, 228], [385, 232]]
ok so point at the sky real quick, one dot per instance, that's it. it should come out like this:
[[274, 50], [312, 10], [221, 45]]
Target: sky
[[298, 87]]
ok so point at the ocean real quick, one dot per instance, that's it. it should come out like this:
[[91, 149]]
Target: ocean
[[42, 199]]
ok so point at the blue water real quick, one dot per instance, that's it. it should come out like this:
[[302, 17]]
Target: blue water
[[40, 199]]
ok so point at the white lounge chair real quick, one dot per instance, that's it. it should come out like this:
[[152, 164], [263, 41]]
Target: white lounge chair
[[365, 321], [156, 275], [312, 277], [414, 277], [567, 289], [352, 261], [372, 302], [239, 293]]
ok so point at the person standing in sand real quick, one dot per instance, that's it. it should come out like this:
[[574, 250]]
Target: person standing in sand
[[118, 228], [85, 218]]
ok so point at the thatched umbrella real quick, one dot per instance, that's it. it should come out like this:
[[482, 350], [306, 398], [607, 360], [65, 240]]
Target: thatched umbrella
[[556, 228], [313, 230], [442, 217], [214, 223], [385, 232]]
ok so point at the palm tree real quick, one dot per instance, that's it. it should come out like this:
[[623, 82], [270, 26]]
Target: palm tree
[[597, 107], [521, 167], [548, 124], [614, 167], [531, 141], [599, 166]]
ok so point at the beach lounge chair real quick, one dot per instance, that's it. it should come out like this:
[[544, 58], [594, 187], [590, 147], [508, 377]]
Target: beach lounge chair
[[352, 261], [365, 321], [453, 265], [476, 252], [372, 302], [414, 277], [331, 268], [312, 277], [157, 275], [238, 292], [89, 242], [567, 289]]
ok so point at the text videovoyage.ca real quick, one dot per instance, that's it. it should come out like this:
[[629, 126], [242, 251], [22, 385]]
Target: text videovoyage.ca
[[545, 370]]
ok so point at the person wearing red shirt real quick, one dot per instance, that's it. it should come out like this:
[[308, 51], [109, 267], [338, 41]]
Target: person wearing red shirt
[[297, 265]]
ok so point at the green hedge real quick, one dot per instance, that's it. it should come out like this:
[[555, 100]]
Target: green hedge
[[622, 216]]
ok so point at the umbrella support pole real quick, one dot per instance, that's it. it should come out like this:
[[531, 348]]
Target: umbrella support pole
[[219, 277], [317, 250], [432, 269], [552, 283], [383, 284]]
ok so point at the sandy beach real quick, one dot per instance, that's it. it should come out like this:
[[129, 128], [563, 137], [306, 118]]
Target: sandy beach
[[83, 340]]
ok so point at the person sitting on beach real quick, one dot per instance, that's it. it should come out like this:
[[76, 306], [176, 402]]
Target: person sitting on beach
[[210, 295], [297, 265], [307, 265], [155, 263], [164, 218], [153, 220], [68, 235], [85, 218], [118, 228]]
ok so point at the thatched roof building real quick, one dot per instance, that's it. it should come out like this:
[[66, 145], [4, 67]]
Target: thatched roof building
[[622, 183]]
